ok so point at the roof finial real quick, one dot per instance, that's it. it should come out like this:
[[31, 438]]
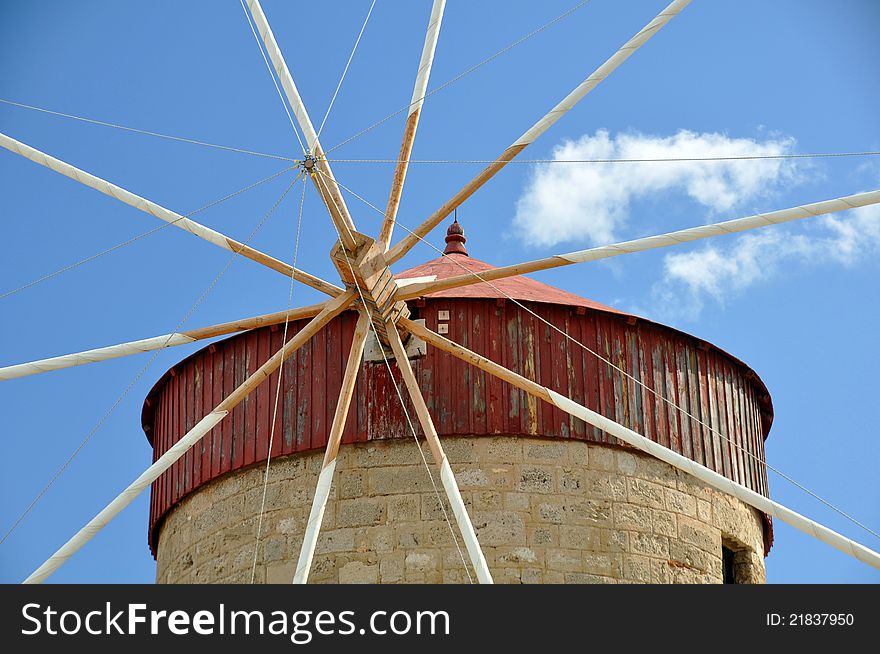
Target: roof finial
[[455, 238]]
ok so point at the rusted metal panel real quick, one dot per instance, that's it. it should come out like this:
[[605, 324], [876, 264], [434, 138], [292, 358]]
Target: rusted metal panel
[[719, 435], [715, 388], [495, 396], [227, 378], [632, 384], [178, 426], [317, 371], [742, 433], [166, 444], [658, 378], [649, 400], [725, 406], [239, 374], [207, 407], [264, 395], [217, 361], [197, 412], [188, 393], [712, 412], [249, 405], [671, 386], [748, 436], [683, 398]]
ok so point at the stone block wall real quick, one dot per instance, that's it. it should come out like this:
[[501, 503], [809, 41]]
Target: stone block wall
[[545, 511]]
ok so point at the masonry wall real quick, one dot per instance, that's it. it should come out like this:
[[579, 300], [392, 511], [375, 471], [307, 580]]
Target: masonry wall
[[545, 511]]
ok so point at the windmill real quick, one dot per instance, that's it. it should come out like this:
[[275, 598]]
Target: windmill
[[368, 285]]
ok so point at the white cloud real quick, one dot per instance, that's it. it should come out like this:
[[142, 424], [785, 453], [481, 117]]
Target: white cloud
[[589, 203], [719, 273]]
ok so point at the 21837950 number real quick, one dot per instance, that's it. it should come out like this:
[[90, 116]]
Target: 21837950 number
[[810, 620]]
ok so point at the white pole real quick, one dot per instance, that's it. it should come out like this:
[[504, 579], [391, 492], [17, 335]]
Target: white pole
[[283, 72], [720, 482], [726, 227], [465, 526], [95, 355], [412, 122], [154, 343], [624, 53], [125, 498], [710, 477], [648, 243], [325, 478], [329, 190], [332, 309], [162, 213]]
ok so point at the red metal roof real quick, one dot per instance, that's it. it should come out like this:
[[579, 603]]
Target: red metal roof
[[519, 287]]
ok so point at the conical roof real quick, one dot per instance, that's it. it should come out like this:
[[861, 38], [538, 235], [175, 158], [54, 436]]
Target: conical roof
[[519, 288], [456, 261]]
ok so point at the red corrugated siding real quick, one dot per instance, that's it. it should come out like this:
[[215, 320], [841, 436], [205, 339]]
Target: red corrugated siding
[[463, 400]]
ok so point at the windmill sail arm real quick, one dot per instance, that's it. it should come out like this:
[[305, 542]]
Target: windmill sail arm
[[166, 215], [412, 122], [327, 187], [325, 477], [283, 72], [447, 478], [710, 477], [648, 243], [625, 52], [154, 343], [333, 308]]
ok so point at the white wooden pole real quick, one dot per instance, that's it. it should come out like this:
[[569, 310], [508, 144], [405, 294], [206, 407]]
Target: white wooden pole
[[155, 343], [447, 478], [325, 478], [160, 212], [710, 477], [332, 309], [412, 122], [404, 245], [327, 186], [648, 243]]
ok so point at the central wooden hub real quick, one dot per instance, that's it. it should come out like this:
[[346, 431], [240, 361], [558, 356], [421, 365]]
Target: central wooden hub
[[365, 268]]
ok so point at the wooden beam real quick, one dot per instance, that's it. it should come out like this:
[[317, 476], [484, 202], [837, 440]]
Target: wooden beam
[[710, 477], [325, 478], [331, 196], [327, 186], [412, 122], [447, 478], [410, 291], [156, 342], [404, 245], [160, 212], [331, 309], [432, 338]]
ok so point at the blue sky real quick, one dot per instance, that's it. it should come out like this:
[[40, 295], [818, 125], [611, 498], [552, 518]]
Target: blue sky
[[801, 306]]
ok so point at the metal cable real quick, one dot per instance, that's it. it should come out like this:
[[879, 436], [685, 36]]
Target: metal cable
[[405, 411], [145, 132], [345, 70], [280, 378], [272, 75], [461, 75], [131, 240], [623, 372], [809, 155], [143, 370]]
